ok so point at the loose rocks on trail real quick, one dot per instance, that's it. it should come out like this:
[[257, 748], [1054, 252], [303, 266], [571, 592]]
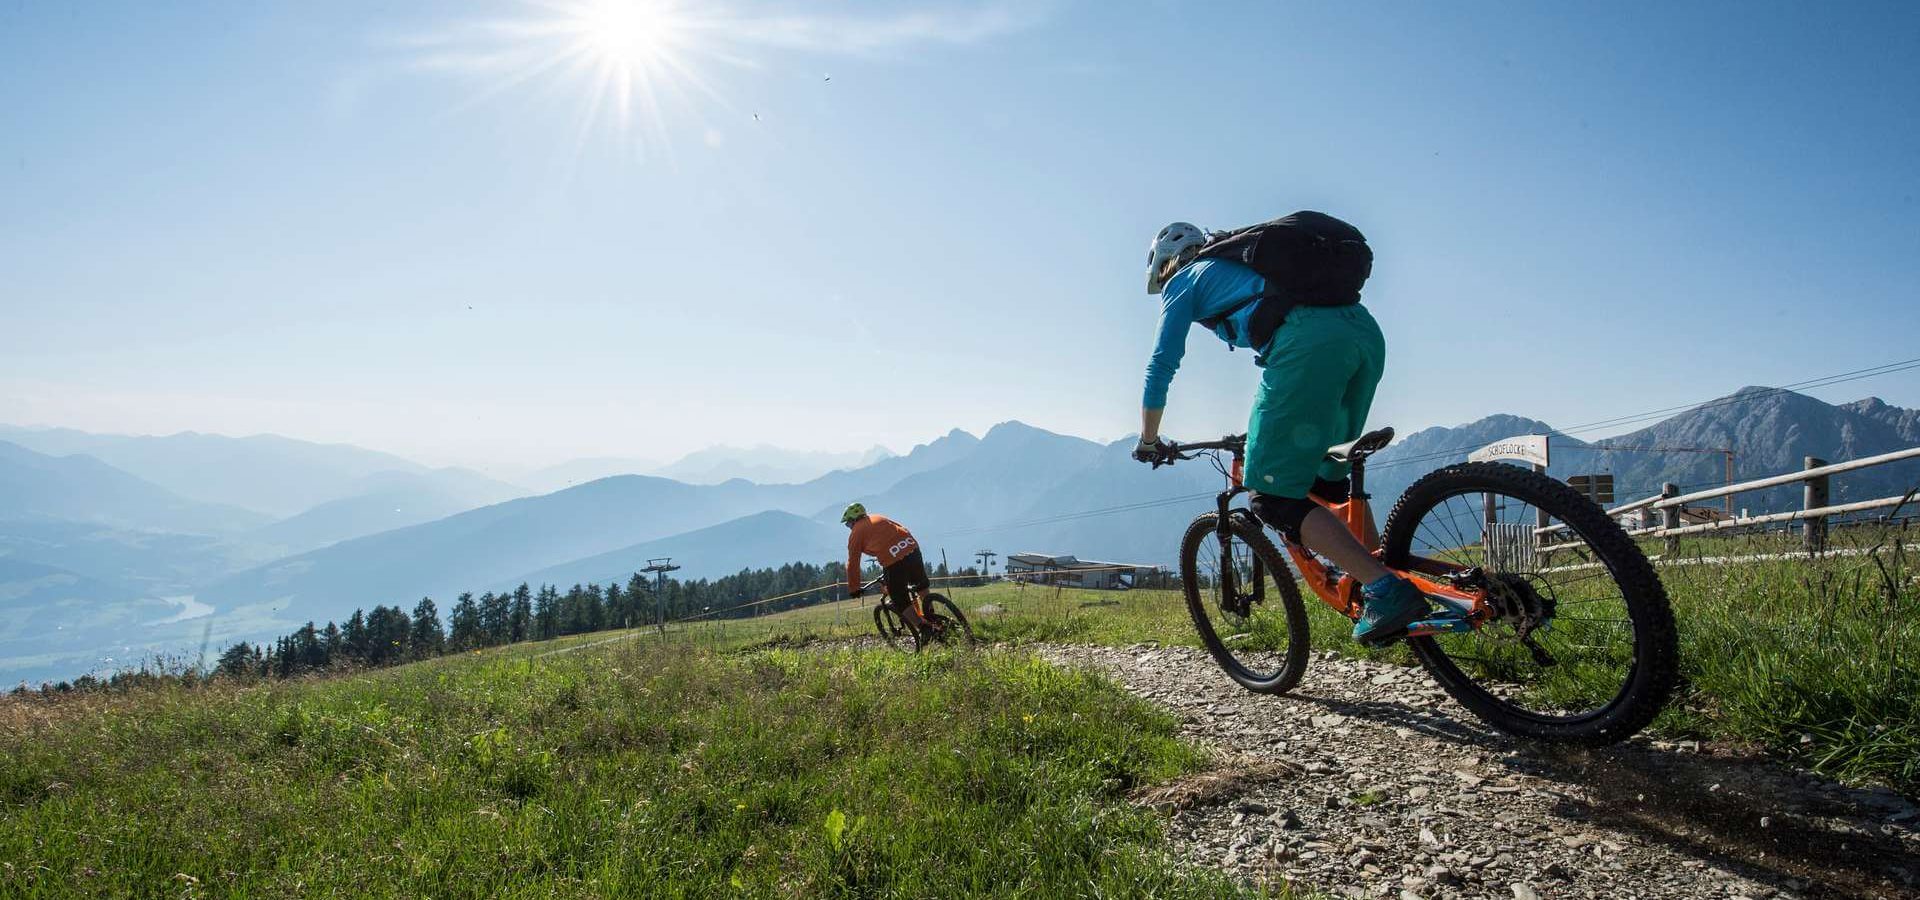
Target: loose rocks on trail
[[1369, 782]]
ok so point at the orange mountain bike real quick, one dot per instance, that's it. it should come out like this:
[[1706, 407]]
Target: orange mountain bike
[[1548, 621]]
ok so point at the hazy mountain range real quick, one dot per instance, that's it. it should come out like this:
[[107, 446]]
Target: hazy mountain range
[[764, 464], [266, 473], [111, 546], [761, 463]]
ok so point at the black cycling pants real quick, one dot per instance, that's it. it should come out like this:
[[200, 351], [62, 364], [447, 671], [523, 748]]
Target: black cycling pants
[[907, 573]]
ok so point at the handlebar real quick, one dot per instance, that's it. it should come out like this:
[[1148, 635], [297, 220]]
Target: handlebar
[[1230, 442], [1236, 443]]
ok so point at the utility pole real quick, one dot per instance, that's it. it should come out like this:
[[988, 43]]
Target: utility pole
[[986, 558], [660, 567]]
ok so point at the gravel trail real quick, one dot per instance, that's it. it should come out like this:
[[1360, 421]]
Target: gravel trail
[[1369, 782]]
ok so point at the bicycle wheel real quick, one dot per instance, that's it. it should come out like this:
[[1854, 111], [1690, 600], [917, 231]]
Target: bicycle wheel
[[1582, 648], [893, 632], [957, 632], [1257, 630]]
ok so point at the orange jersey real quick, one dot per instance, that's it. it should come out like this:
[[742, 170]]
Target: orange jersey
[[879, 537]]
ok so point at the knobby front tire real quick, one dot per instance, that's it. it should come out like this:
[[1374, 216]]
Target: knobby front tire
[[1266, 648], [893, 631]]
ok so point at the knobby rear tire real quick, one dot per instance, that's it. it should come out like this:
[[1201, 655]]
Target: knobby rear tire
[[1655, 670], [1281, 589]]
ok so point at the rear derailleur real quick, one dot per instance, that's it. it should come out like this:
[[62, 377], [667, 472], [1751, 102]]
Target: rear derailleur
[[1516, 601]]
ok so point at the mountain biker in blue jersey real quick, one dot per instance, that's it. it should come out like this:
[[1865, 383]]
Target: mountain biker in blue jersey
[[1319, 371]]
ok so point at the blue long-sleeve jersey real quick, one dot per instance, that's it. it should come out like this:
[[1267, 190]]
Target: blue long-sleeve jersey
[[1205, 288]]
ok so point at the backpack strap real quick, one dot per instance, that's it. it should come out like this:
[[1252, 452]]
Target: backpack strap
[[1220, 318]]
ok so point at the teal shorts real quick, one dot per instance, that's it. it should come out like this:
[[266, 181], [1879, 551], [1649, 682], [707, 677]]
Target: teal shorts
[[1320, 371]]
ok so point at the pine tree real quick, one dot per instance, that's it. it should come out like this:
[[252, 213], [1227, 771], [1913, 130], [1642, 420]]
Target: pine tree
[[496, 613], [463, 624], [546, 614], [639, 601], [285, 663], [572, 616], [593, 610], [521, 620], [387, 633], [238, 661], [354, 635], [424, 639], [306, 651], [616, 607]]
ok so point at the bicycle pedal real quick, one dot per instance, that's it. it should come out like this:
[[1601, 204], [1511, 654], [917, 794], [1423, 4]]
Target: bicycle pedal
[[1439, 625]]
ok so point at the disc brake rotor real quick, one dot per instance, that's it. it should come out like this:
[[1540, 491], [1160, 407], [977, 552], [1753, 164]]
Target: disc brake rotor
[[1517, 600]]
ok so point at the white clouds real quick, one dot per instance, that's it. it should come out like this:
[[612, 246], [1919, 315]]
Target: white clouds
[[874, 33]]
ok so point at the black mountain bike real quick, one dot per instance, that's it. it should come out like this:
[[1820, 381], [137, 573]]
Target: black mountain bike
[[948, 624]]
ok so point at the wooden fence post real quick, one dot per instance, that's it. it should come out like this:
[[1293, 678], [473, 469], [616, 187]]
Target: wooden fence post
[[1670, 517], [1540, 515], [1816, 496]]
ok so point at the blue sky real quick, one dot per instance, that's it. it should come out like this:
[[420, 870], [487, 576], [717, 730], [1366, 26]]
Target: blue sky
[[877, 221]]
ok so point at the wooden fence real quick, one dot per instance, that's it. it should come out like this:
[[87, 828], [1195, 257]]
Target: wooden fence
[[1815, 512]]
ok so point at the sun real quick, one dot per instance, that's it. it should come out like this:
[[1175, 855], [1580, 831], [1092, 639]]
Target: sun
[[628, 63], [627, 33]]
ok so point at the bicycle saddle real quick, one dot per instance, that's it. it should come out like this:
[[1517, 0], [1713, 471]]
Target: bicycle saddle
[[1361, 447]]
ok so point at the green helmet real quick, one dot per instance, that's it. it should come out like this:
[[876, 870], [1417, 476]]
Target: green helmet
[[854, 511]]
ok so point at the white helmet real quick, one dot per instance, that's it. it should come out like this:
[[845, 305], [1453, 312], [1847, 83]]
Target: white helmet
[[1177, 241]]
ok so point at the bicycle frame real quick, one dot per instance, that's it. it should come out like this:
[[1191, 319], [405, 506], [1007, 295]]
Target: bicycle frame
[[919, 607], [1469, 606]]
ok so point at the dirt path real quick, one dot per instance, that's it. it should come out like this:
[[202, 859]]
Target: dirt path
[[1370, 782]]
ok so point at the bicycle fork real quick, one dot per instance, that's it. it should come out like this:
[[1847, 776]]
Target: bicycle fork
[[1229, 575]]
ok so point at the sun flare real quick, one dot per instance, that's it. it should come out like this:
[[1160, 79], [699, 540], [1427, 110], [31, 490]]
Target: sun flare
[[626, 32], [626, 62]]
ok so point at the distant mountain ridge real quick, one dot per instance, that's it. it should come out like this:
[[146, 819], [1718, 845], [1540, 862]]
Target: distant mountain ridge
[[81, 488], [385, 501], [1771, 431], [269, 474], [507, 540], [765, 464]]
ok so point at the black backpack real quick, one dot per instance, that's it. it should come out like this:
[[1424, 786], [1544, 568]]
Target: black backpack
[[1308, 259]]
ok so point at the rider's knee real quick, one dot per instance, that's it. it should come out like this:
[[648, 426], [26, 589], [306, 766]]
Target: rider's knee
[[1283, 514]]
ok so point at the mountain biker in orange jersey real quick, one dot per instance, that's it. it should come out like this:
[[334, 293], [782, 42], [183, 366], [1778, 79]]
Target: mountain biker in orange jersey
[[1319, 368], [898, 553]]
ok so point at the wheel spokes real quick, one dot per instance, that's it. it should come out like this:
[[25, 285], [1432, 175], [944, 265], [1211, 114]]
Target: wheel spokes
[[1250, 620], [1561, 642]]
